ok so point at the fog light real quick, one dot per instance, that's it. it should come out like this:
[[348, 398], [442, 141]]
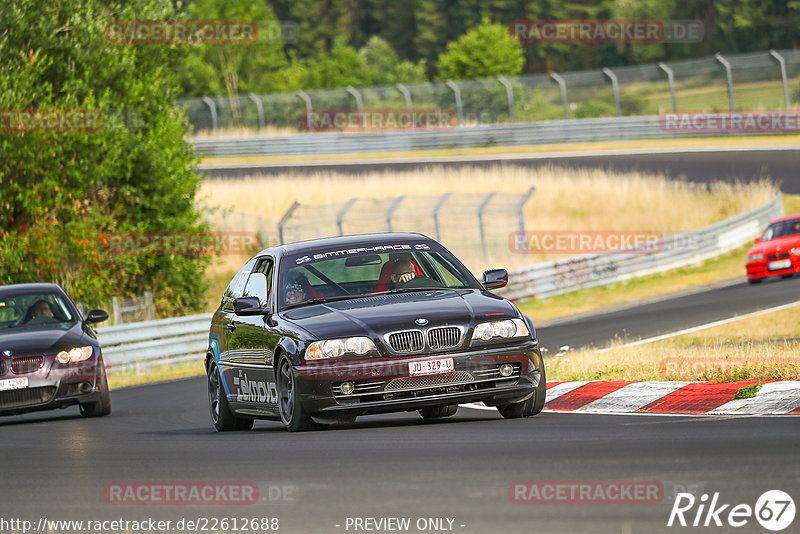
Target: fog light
[[347, 388], [506, 369]]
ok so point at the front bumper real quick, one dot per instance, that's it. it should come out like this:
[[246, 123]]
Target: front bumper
[[51, 386], [384, 384], [761, 268]]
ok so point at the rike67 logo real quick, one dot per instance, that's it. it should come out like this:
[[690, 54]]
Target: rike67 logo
[[774, 510]]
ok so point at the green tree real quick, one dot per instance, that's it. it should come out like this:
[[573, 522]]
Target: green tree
[[63, 194], [487, 50], [385, 67]]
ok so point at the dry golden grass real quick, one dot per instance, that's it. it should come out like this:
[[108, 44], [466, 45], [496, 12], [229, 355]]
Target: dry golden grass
[[565, 200], [765, 347]]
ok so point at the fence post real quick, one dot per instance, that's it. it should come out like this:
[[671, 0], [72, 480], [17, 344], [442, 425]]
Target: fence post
[[307, 99], [150, 309], [213, 108], [391, 211], [343, 212], [562, 84], [482, 234], [259, 108], [520, 207], [671, 80], [510, 96], [359, 104], [615, 88], [407, 95], [782, 63], [436, 209], [115, 310], [729, 76], [459, 108], [285, 219]]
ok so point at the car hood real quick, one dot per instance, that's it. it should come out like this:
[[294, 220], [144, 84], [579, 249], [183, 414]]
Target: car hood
[[780, 244], [377, 315], [42, 338]]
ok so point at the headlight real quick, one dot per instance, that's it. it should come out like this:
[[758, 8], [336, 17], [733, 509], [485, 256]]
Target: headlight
[[755, 257], [333, 348], [76, 354], [506, 328]]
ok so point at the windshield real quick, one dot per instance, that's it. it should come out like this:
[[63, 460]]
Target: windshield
[[28, 309], [345, 273], [782, 229]]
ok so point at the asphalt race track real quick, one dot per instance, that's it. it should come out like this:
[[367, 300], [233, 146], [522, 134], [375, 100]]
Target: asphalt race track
[[695, 166], [56, 465]]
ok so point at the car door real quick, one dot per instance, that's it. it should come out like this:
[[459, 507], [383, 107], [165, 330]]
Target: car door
[[251, 348]]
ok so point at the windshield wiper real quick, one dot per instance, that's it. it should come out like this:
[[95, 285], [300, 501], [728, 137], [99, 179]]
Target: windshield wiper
[[321, 300]]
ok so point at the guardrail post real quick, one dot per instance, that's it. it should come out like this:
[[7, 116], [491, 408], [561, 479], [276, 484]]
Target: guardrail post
[[562, 84], [285, 219], [391, 211], [343, 212], [481, 230], [729, 76], [615, 88], [436, 209], [359, 104], [407, 95], [115, 311], [510, 96], [671, 80], [259, 108], [521, 206], [150, 309], [782, 63], [213, 108], [459, 108], [307, 99]]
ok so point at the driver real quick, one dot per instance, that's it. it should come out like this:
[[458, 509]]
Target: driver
[[405, 277], [40, 308], [296, 288]]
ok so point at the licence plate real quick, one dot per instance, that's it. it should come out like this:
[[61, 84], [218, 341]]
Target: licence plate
[[431, 367], [13, 383], [778, 265]]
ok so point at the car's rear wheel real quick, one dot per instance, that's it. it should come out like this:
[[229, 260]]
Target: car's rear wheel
[[293, 415], [221, 414], [102, 406], [533, 405], [432, 412]]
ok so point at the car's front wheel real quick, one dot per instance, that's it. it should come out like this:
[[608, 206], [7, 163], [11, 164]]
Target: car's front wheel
[[754, 280], [102, 406], [293, 415], [529, 407], [221, 413], [432, 412]]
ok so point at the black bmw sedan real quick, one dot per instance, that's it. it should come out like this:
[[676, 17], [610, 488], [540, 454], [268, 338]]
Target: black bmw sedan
[[49, 354], [320, 332]]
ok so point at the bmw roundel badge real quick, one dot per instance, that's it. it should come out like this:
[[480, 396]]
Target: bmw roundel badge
[[421, 321]]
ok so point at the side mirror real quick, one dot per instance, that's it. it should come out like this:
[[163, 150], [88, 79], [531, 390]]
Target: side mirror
[[757, 240], [494, 278], [247, 306], [96, 316]]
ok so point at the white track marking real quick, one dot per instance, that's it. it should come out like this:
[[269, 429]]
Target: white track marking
[[633, 396], [773, 398]]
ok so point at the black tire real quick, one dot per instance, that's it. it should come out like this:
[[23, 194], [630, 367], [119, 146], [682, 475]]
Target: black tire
[[293, 415], [785, 276], [221, 414], [532, 406], [432, 412], [100, 407], [754, 280]]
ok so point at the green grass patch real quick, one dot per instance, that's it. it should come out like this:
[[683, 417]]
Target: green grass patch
[[748, 392]]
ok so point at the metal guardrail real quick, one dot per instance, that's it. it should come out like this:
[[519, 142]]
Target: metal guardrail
[[589, 270], [150, 343], [529, 133]]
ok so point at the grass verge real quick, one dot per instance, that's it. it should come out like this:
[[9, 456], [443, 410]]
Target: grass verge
[[763, 348], [162, 373]]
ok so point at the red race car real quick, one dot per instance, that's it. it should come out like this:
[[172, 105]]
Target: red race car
[[777, 252]]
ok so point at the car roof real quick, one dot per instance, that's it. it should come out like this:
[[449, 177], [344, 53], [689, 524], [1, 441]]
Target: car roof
[[32, 288], [343, 241], [786, 218]]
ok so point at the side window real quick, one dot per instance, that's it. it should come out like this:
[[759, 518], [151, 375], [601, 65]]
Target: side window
[[260, 281], [236, 288]]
